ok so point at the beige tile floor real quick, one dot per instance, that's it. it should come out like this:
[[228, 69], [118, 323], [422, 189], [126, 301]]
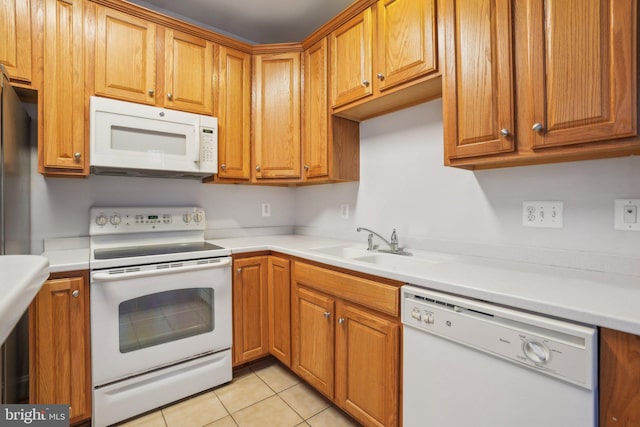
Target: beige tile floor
[[265, 394]]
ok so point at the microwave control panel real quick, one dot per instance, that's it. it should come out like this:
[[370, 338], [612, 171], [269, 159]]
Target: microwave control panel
[[208, 148]]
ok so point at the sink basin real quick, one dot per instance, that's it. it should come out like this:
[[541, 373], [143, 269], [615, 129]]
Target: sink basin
[[417, 261], [343, 251], [22, 277]]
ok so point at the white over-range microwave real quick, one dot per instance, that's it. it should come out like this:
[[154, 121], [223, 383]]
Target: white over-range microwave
[[140, 140]]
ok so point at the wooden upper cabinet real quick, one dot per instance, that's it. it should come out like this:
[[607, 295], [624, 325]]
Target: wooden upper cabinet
[[188, 75], [351, 60], [276, 116], [331, 144], [407, 44], [59, 338], [316, 111], [234, 114], [15, 38], [61, 142], [478, 99], [125, 63], [582, 66]]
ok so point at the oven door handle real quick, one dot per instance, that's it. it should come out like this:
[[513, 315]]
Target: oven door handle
[[105, 276]]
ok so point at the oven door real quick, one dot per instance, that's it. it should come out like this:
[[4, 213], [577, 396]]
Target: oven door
[[147, 317]]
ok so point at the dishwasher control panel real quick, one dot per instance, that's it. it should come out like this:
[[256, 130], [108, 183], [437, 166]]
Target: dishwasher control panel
[[556, 347]]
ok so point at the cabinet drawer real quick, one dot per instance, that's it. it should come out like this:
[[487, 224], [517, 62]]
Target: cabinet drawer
[[369, 293]]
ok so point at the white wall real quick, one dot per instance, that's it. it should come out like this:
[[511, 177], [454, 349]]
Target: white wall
[[403, 184]]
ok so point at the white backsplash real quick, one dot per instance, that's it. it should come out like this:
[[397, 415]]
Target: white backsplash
[[404, 185]]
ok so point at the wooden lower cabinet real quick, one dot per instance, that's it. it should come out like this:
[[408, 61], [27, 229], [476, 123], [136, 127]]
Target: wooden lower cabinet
[[367, 365], [313, 338], [279, 308], [619, 379], [60, 344], [250, 330], [348, 352]]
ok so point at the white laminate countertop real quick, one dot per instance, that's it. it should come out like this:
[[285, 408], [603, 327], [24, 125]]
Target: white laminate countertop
[[21, 277], [595, 298]]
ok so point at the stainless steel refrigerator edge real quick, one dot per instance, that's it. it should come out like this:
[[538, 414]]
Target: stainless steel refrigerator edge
[[15, 229]]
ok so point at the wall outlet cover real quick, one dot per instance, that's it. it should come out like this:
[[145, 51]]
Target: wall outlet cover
[[344, 211], [625, 213], [543, 214], [266, 209]]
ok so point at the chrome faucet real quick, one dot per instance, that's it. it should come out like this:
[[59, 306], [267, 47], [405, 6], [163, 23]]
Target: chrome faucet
[[393, 244]]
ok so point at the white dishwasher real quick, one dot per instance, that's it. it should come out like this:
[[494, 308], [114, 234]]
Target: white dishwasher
[[472, 363]]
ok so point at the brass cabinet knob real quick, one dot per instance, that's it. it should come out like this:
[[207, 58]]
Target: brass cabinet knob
[[258, 168], [380, 76], [170, 95], [75, 293], [151, 92], [504, 132], [341, 320], [365, 83], [326, 314], [306, 167], [77, 156], [239, 270], [223, 167]]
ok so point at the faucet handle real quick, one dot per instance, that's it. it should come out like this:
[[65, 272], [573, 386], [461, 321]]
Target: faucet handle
[[394, 236]]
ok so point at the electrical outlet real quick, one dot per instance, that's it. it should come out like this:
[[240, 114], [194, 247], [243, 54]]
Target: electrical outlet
[[344, 211], [542, 214], [266, 209], [626, 214]]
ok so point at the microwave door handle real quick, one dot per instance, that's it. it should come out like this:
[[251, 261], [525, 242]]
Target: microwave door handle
[[196, 156], [105, 276]]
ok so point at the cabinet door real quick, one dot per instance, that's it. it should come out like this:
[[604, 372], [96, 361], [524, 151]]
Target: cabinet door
[[188, 76], [15, 38], [60, 362], [367, 366], [619, 379], [62, 140], [407, 43], [250, 322], [234, 114], [478, 79], [313, 334], [351, 60], [277, 116], [316, 110], [279, 304], [583, 75], [125, 63]]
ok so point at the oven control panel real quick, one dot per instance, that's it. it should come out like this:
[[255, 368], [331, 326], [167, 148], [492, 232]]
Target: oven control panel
[[115, 220]]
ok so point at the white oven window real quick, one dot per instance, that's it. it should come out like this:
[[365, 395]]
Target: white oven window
[[164, 317]]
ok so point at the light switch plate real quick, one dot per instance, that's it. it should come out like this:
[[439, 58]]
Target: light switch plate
[[542, 214], [626, 214]]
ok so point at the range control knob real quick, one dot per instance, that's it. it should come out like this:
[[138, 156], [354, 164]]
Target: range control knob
[[536, 351], [186, 218], [101, 220], [415, 313], [197, 217], [115, 220]]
